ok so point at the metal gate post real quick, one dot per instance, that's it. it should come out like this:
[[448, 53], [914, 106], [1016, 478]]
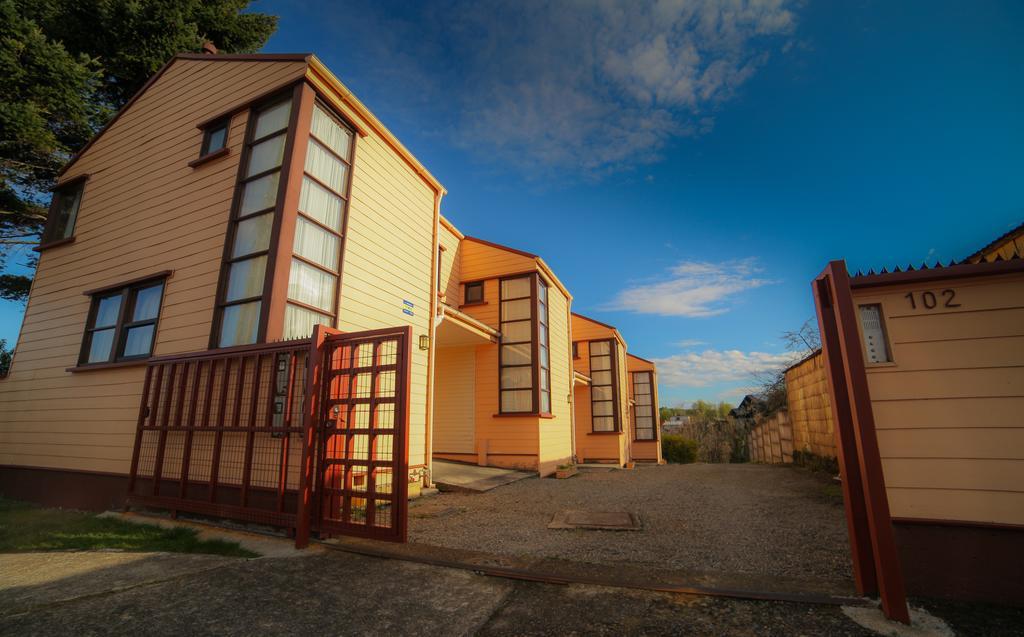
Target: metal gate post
[[310, 423], [845, 335]]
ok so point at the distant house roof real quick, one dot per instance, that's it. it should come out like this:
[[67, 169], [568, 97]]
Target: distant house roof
[[997, 242]]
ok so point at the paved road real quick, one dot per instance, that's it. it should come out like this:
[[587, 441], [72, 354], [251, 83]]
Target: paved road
[[336, 593]]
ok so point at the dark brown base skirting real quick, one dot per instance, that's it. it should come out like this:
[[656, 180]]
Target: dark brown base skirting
[[94, 491], [70, 489], [960, 561]]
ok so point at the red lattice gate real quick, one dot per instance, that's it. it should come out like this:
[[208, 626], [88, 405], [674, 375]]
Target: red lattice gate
[[300, 435], [364, 441]]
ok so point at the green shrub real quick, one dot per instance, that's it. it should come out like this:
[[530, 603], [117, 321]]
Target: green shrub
[[677, 449], [814, 462]]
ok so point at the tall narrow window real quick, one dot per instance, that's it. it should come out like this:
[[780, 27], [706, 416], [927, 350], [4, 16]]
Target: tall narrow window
[[60, 222], [515, 353], [122, 323], [643, 412], [543, 343], [603, 389], [245, 267], [316, 258]]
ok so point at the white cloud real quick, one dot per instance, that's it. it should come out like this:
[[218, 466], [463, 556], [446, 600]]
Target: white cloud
[[700, 369], [690, 342], [693, 289], [588, 87]]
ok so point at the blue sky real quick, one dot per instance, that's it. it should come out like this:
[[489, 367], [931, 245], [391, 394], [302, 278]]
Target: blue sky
[[688, 167]]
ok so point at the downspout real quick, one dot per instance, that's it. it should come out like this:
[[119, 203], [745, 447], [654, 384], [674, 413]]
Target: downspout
[[572, 384], [428, 439]]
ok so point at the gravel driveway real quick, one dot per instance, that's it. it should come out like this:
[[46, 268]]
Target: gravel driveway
[[766, 520]]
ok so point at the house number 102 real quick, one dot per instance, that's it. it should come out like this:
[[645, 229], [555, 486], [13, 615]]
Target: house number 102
[[930, 301]]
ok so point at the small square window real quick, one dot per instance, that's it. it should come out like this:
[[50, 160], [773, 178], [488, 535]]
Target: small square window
[[475, 292], [215, 137], [60, 223]]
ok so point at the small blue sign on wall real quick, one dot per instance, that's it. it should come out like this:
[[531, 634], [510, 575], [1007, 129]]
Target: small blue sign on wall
[[407, 311], [408, 304]]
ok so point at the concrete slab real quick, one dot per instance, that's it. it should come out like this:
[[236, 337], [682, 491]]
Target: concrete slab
[[597, 520], [264, 544], [455, 476]]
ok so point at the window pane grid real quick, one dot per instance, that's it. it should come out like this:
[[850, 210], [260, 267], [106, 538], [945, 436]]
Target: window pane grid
[[515, 352], [122, 325], [643, 414], [603, 401]]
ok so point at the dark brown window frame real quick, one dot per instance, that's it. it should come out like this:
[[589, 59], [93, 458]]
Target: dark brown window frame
[[208, 130], [575, 350], [534, 364], [345, 197], [46, 240], [613, 358], [128, 292], [653, 406], [291, 93], [479, 285], [546, 344]]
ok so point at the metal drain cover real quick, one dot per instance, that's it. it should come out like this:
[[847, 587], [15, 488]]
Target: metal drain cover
[[601, 520]]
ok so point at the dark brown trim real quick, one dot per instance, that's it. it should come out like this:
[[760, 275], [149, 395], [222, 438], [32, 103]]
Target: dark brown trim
[[521, 414], [217, 154], [473, 304], [605, 433], [75, 183], [288, 93], [68, 488], [501, 247], [966, 270], [474, 284], [163, 274], [613, 369], [132, 362], [653, 405], [128, 293], [246, 57], [960, 523], [54, 244], [852, 410], [534, 362]]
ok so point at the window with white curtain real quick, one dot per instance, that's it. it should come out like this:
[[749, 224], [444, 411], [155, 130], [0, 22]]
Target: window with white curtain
[[515, 352], [603, 390], [315, 267], [643, 410], [245, 269]]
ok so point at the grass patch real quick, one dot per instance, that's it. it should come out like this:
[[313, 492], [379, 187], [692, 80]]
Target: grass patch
[[833, 493], [25, 527]]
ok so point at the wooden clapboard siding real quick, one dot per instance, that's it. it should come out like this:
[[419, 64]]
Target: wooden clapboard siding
[[144, 210], [948, 408], [451, 267], [388, 259], [483, 261], [810, 407], [454, 405]]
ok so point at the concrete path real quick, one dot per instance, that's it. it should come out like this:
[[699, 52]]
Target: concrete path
[[336, 593], [455, 476]]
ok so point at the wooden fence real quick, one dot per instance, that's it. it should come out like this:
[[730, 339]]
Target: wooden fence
[[810, 409], [771, 440]]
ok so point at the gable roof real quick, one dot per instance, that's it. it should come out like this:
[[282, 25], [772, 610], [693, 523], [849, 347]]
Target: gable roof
[[315, 71]]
